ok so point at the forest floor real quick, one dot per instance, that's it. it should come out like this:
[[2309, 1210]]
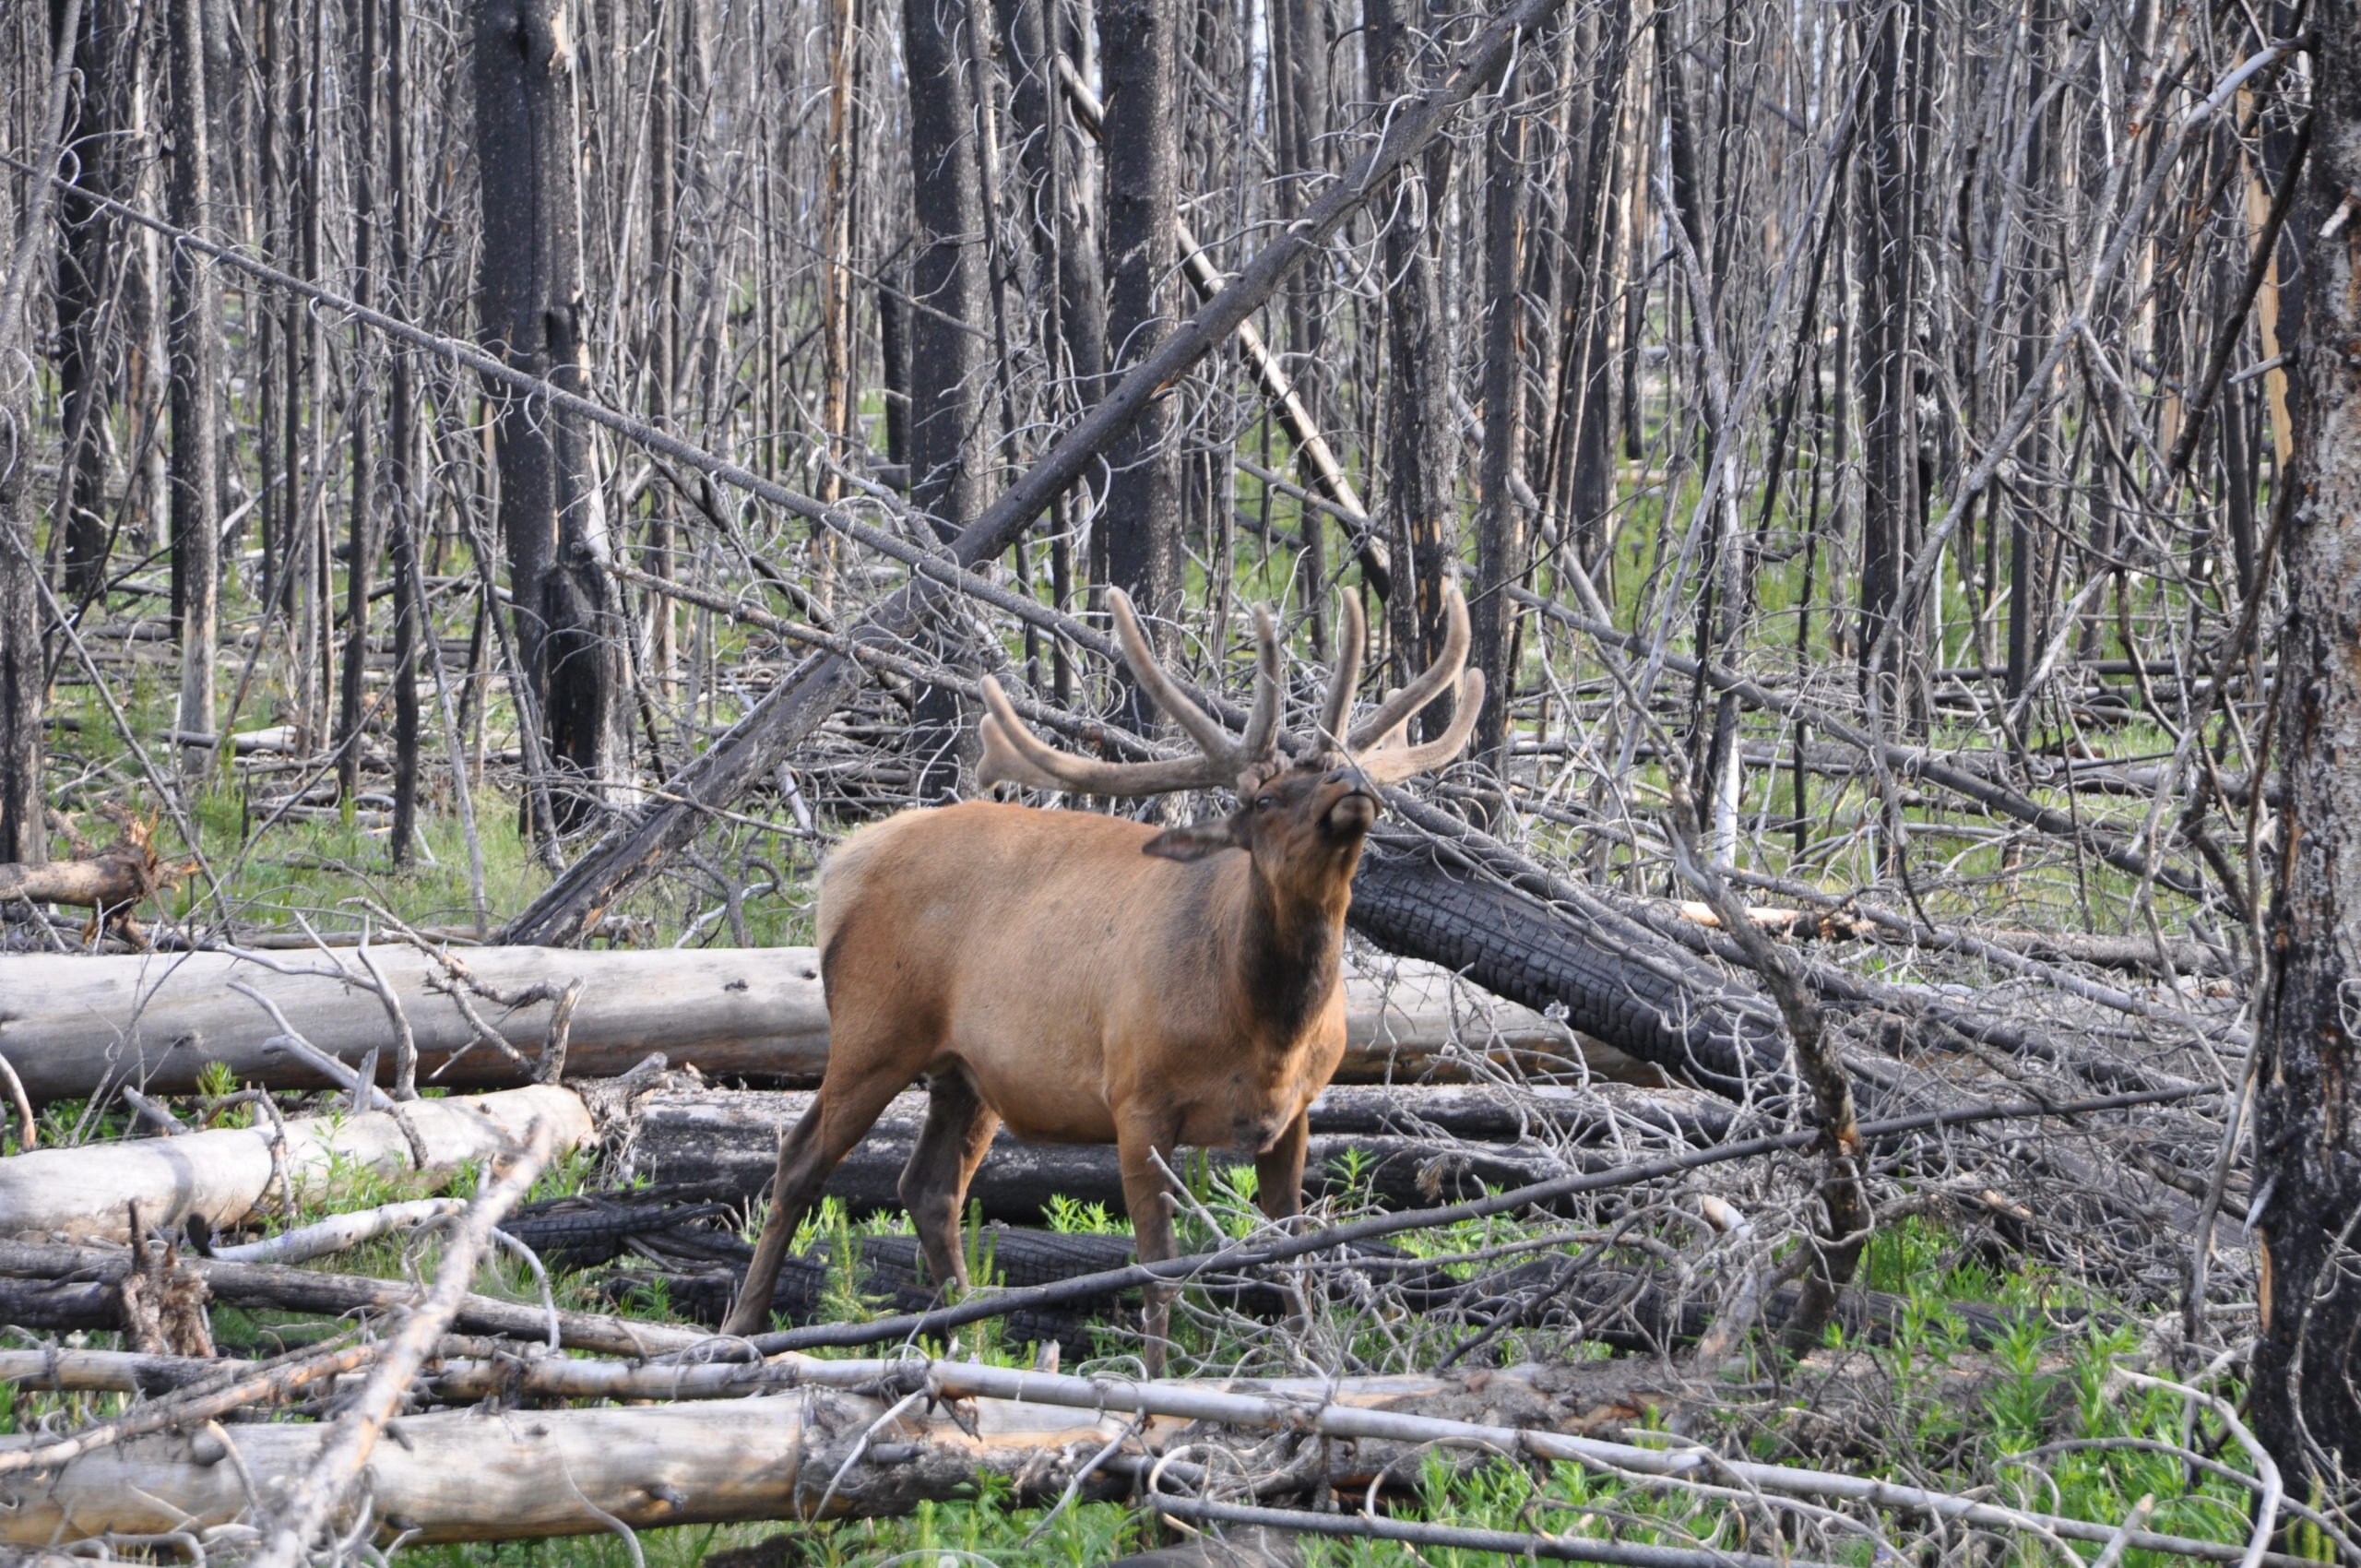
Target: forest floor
[[2035, 1416]]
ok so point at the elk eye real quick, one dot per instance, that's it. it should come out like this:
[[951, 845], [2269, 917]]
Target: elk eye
[[1267, 804]]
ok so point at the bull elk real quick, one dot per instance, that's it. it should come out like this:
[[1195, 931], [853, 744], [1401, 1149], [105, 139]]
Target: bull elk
[[1083, 978]]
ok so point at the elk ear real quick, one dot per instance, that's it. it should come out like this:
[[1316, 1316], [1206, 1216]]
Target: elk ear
[[1199, 839]]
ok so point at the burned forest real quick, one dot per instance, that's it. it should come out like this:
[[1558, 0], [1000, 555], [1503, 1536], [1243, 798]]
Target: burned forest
[[1075, 781]]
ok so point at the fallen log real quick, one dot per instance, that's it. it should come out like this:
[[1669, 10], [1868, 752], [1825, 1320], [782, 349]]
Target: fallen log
[[808, 1453], [52, 1284], [111, 882], [805, 1452], [1404, 1148], [222, 1176], [71, 1024], [1608, 976]]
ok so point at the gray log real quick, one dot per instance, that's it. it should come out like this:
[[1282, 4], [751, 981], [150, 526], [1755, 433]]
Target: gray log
[[222, 1175], [1416, 1147], [71, 1025]]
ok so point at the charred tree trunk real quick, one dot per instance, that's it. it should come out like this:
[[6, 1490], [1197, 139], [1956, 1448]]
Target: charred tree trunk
[[23, 832], [569, 623], [401, 455], [1418, 446], [1499, 531], [1889, 263], [86, 373], [1299, 30], [2308, 1114], [361, 537], [1583, 461], [195, 337], [1140, 58], [947, 358]]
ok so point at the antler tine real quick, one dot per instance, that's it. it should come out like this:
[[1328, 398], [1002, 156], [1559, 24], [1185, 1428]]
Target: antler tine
[[1211, 738], [1263, 720], [1015, 754], [1430, 682], [1393, 763], [1346, 676]]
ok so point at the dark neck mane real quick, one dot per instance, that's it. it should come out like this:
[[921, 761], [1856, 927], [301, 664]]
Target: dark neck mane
[[1289, 955]]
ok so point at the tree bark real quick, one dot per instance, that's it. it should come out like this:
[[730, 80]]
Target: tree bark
[[1141, 517], [195, 337], [23, 831], [2308, 1106], [401, 455], [86, 364], [1499, 530], [361, 534], [1889, 263], [947, 358], [569, 624], [1419, 445]]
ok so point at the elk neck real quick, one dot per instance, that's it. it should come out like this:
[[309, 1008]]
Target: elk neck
[[1286, 949]]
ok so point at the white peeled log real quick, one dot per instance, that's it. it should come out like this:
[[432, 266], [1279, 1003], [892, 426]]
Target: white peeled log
[[341, 1232], [83, 1193], [70, 1024], [537, 1473]]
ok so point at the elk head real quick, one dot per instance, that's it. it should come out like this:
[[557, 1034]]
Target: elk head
[[1302, 820]]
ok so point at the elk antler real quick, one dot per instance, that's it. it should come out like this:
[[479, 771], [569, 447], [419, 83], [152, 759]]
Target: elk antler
[[1015, 754], [1377, 741]]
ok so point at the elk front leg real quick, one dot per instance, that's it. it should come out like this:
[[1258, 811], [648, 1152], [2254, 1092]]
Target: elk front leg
[[1278, 1191], [1279, 1170], [1145, 1148]]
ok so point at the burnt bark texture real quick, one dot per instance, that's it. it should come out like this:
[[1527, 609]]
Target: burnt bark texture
[[22, 834], [569, 620], [401, 453], [1419, 448], [87, 258], [1140, 58], [2305, 1401], [1299, 50], [947, 355], [1499, 529], [1894, 39]]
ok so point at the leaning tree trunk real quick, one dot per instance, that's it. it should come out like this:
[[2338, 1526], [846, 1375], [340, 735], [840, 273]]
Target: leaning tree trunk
[[946, 357], [2307, 1113], [569, 622], [195, 337]]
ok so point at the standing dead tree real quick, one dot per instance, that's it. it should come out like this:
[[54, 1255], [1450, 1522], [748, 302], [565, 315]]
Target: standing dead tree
[[570, 680], [2307, 1151]]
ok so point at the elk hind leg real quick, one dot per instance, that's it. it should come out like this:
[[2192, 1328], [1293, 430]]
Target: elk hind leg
[[841, 1115], [959, 1132]]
